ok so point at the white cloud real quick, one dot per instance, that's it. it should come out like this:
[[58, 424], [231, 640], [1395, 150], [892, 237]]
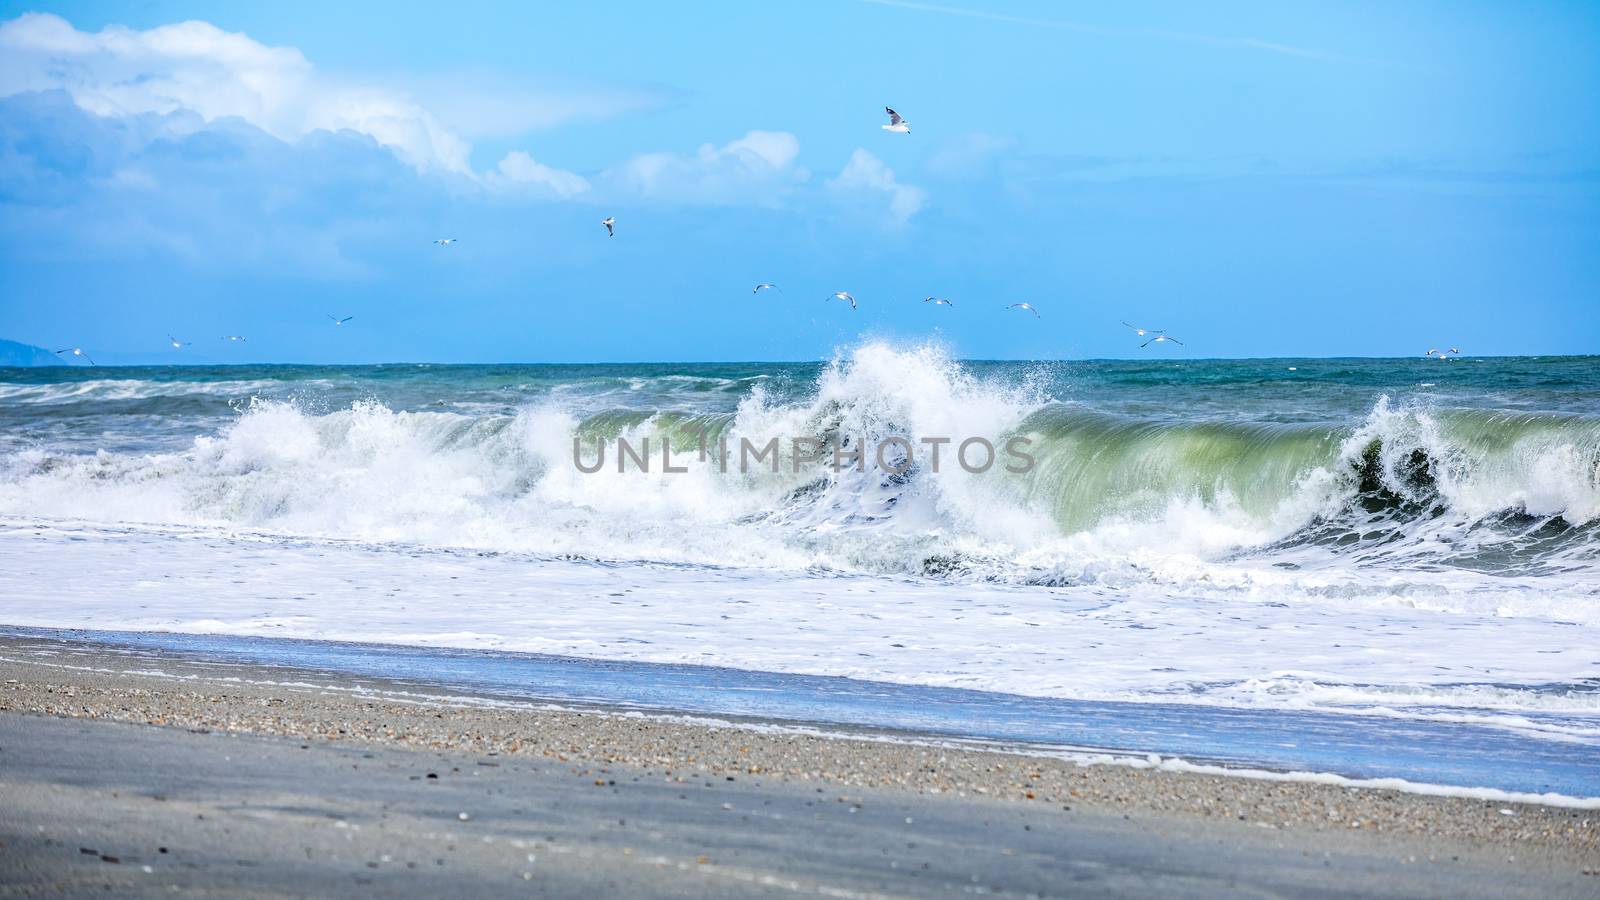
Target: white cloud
[[520, 170], [866, 175], [193, 73], [756, 169], [197, 67]]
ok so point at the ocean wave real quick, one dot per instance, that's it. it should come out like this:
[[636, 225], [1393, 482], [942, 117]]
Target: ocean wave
[[1308, 510], [112, 389]]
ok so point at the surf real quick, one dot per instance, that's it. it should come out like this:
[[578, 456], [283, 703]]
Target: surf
[[1408, 484]]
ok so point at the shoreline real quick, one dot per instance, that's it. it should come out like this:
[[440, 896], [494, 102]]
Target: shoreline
[[1358, 751], [90, 682]]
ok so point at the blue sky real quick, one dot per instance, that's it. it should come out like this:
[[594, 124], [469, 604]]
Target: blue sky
[[1260, 179]]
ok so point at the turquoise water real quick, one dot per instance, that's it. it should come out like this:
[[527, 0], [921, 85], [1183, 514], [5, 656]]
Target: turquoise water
[[1514, 444]]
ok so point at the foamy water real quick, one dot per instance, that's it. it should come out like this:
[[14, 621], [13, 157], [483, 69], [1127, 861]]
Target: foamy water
[[1420, 539]]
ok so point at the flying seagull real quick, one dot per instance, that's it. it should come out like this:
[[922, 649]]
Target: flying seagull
[[235, 338], [177, 344], [1141, 332], [1455, 350], [1158, 339], [937, 301], [845, 296], [445, 242], [896, 124], [339, 321], [75, 351], [610, 223], [766, 286], [1026, 306]]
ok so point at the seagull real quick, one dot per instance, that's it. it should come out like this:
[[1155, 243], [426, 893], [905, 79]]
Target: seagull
[[1141, 332], [1158, 339], [1431, 351], [766, 286], [937, 301], [843, 295], [445, 242], [235, 338], [339, 321], [75, 351], [1026, 306], [177, 344], [610, 223], [1455, 350], [896, 124]]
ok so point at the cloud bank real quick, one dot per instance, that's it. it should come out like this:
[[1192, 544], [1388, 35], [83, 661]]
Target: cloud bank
[[181, 79], [198, 67], [191, 142]]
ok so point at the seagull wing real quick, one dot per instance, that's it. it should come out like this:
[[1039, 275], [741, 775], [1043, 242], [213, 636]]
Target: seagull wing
[[1175, 341], [894, 117]]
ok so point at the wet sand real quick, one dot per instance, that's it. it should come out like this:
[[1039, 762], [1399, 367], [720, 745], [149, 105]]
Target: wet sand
[[274, 781]]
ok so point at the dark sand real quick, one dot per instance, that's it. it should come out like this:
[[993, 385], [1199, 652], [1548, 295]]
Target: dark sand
[[274, 782]]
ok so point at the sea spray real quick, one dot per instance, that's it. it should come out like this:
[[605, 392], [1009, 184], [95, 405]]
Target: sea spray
[[1397, 538], [1116, 492]]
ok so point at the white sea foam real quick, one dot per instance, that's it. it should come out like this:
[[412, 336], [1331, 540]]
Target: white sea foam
[[1144, 644], [1421, 562], [1106, 502]]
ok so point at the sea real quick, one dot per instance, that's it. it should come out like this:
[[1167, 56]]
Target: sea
[[1403, 547]]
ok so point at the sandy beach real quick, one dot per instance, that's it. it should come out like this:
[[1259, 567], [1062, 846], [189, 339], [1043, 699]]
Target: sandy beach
[[292, 781], [857, 449]]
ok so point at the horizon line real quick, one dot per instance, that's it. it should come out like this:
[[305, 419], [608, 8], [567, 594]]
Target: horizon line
[[807, 361]]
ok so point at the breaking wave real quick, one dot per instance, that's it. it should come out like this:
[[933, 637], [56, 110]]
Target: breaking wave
[[1111, 497]]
